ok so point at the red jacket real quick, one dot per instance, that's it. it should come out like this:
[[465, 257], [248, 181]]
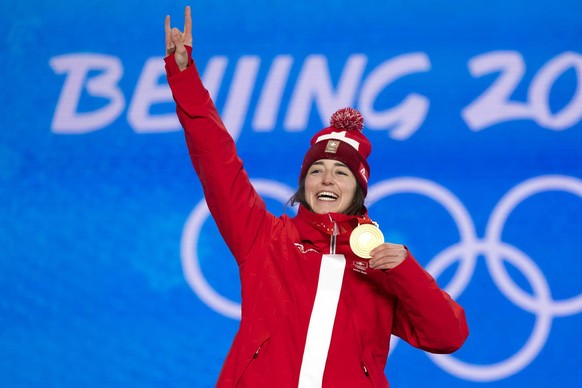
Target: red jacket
[[313, 313]]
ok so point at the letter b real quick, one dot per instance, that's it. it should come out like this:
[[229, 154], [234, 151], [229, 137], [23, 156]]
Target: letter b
[[67, 119]]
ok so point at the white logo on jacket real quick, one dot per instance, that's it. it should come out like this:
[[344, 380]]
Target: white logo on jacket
[[361, 267], [303, 250]]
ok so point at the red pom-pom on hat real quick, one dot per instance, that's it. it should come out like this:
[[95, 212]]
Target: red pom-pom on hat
[[348, 119]]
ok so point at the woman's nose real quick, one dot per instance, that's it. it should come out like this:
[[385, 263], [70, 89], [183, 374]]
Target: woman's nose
[[327, 178]]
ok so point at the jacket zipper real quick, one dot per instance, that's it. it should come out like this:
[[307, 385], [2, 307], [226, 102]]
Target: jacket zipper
[[257, 352], [366, 371], [332, 242]]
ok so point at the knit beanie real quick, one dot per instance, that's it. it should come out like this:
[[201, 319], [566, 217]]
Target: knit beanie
[[343, 141]]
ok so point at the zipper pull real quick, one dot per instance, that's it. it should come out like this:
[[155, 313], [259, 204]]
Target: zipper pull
[[257, 352], [335, 228]]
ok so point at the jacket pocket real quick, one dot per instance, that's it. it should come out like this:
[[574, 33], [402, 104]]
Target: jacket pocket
[[253, 359], [366, 373]]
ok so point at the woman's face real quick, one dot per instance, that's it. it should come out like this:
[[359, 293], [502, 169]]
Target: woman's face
[[330, 186]]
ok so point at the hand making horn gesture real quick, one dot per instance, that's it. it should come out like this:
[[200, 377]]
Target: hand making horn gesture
[[176, 39]]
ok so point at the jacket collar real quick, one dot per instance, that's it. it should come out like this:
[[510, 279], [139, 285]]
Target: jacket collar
[[325, 223]]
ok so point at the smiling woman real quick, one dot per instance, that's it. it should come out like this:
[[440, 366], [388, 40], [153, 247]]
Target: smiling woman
[[334, 175], [330, 187], [357, 203], [313, 313]]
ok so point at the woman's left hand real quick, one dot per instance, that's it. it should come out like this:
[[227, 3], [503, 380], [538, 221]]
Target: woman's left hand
[[387, 256]]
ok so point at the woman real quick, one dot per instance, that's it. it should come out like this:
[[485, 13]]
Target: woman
[[313, 313]]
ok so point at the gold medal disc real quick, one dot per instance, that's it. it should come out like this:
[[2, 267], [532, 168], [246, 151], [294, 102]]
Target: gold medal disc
[[364, 239]]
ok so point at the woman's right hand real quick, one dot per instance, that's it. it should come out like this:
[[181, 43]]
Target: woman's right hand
[[176, 39]]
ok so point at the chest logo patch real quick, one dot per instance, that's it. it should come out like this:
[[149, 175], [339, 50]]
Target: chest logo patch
[[360, 266]]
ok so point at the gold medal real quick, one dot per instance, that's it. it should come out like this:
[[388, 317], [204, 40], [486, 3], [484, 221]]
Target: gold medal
[[364, 239]]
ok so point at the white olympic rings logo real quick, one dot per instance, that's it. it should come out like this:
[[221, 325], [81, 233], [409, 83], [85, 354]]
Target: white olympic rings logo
[[541, 303]]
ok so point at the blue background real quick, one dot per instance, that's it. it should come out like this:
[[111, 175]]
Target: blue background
[[93, 291]]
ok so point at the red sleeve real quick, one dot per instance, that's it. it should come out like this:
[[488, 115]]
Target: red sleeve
[[425, 316], [237, 209]]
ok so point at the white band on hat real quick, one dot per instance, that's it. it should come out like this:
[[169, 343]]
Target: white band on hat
[[340, 136]]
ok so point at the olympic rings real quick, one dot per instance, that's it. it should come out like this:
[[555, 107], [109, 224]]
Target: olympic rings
[[540, 302]]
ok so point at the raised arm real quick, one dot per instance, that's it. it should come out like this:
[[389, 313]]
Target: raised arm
[[237, 209]]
